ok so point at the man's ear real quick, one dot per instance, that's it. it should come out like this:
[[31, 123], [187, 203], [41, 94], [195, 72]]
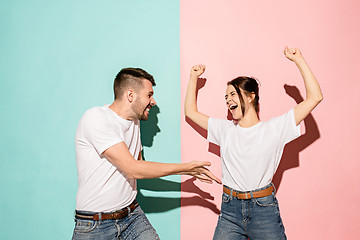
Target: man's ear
[[130, 95]]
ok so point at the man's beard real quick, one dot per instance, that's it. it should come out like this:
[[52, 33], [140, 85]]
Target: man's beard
[[141, 115]]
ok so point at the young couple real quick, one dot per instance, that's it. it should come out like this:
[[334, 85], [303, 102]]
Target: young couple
[[108, 155]]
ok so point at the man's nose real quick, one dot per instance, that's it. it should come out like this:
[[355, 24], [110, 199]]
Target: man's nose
[[153, 102]]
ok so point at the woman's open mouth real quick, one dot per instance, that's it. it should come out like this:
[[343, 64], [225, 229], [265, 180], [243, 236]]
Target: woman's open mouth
[[232, 107]]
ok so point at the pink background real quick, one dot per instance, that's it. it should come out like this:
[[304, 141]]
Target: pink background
[[319, 176]]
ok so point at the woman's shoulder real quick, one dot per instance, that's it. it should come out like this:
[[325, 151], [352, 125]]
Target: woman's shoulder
[[281, 121], [281, 117], [221, 121], [222, 125]]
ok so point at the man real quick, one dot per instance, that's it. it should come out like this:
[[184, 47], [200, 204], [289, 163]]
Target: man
[[108, 157]]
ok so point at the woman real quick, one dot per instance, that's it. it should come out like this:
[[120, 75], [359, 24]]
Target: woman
[[250, 152]]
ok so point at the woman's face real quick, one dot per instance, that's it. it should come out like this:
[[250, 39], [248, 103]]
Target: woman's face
[[233, 102]]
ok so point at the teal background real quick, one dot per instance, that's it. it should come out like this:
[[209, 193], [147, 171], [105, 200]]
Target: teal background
[[59, 58]]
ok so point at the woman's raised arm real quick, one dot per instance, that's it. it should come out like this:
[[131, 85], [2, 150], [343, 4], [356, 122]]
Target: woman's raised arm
[[190, 107], [313, 91]]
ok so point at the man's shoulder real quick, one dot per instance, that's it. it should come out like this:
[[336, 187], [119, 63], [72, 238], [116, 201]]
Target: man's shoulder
[[96, 111], [95, 114]]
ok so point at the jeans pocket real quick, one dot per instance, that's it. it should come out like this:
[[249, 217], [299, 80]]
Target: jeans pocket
[[226, 198], [85, 226], [266, 201]]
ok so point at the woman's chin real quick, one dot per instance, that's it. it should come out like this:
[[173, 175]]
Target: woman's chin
[[235, 117]]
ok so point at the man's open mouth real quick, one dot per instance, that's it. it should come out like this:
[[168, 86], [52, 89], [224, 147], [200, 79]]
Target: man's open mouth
[[148, 108]]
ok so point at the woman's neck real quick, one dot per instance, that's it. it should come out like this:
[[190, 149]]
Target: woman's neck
[[250, 119]]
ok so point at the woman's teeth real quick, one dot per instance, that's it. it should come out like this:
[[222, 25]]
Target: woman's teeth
[[233, 106]]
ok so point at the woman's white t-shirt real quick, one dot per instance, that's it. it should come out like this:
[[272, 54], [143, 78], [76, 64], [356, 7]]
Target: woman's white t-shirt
[[250, 156]]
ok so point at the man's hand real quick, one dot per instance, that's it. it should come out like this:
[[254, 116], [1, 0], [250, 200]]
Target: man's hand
[[198, 169], [197, 70], [293, 54]]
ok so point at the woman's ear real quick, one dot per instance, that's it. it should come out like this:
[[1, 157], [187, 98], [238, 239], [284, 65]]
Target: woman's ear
[[251, 97]]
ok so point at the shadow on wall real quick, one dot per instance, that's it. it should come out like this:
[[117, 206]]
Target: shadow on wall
[[148, 130], [290, 158]]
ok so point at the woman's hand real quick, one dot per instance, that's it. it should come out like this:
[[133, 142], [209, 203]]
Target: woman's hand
[[293, 54], [197, 70]]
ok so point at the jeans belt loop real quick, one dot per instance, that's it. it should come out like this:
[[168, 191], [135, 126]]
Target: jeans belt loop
[[274, 191], [252, 196], [129, 210], [231, 193], [100, 217]]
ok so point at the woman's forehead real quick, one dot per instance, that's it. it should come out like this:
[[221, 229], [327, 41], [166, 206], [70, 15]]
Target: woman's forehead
[[230, 88]]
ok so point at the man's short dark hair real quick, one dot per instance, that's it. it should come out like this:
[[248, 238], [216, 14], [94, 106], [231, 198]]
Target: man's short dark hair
[[130, 77]]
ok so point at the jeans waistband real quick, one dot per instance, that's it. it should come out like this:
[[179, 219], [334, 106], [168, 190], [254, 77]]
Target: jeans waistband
[[87, 215], [257, 193]]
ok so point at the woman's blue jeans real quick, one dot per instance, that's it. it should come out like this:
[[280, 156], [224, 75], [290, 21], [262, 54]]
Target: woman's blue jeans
[[134, 226], [254, 219]]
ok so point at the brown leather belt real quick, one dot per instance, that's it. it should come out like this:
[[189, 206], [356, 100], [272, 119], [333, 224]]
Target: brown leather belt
[[112, 215], [246, 195]]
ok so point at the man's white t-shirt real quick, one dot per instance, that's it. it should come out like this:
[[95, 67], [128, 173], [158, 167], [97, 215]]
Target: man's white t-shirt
[[250, 156], [103, 187]]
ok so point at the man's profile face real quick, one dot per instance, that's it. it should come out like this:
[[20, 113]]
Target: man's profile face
[[144, 100]]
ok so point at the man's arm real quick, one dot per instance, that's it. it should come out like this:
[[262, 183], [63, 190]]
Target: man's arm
[[313, 91], [122, 159]]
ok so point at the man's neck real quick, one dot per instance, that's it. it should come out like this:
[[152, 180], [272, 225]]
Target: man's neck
[[122, 110]]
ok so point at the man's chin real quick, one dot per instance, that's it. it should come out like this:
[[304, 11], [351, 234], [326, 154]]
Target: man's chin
[[144, 118]]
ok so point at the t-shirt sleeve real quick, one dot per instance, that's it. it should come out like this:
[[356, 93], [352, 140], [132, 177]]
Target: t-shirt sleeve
[[216, 129], [286, 126], [99, 131]]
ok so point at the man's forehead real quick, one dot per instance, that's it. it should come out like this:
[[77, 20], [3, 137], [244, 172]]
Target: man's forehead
[[147, 85]]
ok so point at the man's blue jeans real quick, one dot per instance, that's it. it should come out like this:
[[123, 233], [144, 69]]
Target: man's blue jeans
[[134, 226], [254, 219]]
